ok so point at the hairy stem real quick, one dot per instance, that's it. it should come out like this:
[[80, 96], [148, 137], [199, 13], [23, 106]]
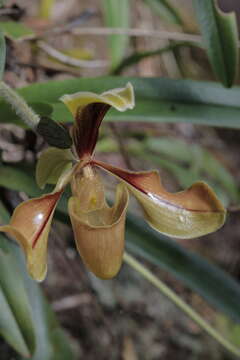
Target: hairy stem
[[19, 105]]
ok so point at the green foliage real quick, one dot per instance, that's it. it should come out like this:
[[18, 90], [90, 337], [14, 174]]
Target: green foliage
[[52, 342], [53, 133], [138, 56], [15, 30], [190, 163], [117, 15], [220, 35], [218, 288], [165, 10], [22, 178], [19, 178], [2, 54], [2, 2], [26, 319], [208, 280], [157, 100], [229, 329], [16, 322], [52, 163]]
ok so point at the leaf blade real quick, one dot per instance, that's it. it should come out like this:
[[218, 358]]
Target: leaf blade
[[220, 34], [116, 14], [165, 10], [16, 316], [157, 100], [16, 31], [50, 338]]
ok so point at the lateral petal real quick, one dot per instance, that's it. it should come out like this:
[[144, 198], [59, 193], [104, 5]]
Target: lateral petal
[[99, 234], [52, 163], [186, 214], [89, 110], [30, 226]]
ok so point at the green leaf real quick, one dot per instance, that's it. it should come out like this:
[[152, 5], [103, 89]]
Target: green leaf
[[16, 321], [19, 179], [200, 162], [4, 215], [51, 342], [15, 30], [2, 54], [42, 109], [217, 287], [53, 133], [208, 280], [220, 35], [165, 10], [138, 56], [230, 330], [9, 328], [22, 178], [116, 15], [157, 100]]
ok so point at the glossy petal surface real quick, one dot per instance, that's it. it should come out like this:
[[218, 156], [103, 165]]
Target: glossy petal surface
[[99, 234], [30, 225], [89, 110], [186, 214]]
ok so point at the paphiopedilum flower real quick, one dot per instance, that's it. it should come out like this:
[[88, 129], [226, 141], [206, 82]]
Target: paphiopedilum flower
[[98, 228]]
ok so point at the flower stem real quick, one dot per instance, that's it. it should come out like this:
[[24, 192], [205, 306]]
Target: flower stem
[[147, 274], [19, 105]]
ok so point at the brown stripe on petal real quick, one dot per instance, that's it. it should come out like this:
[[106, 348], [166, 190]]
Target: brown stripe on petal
[[45, 212], [195, 198], [89, 109], [86, 127], [186, 214], [31, 216], [30, 226]]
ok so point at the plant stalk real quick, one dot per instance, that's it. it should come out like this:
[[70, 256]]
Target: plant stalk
[[171, 295], [19, 105]]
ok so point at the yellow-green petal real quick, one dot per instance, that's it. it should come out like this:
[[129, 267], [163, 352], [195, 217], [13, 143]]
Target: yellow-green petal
[[30, 226], [52, 163], [187, 214], [99, 234], [119, 98], [89, 110]]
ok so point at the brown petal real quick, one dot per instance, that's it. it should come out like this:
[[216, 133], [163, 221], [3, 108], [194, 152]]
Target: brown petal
[[186, 214], [89, 110], [99, 234], [30, 225]]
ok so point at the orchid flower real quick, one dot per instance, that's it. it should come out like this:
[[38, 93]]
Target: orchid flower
[[98, 228]]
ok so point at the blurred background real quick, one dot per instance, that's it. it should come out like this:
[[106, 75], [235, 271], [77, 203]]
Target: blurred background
[[126, 318]]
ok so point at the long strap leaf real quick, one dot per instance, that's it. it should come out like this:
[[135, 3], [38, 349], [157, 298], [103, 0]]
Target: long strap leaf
[[220, 34]]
